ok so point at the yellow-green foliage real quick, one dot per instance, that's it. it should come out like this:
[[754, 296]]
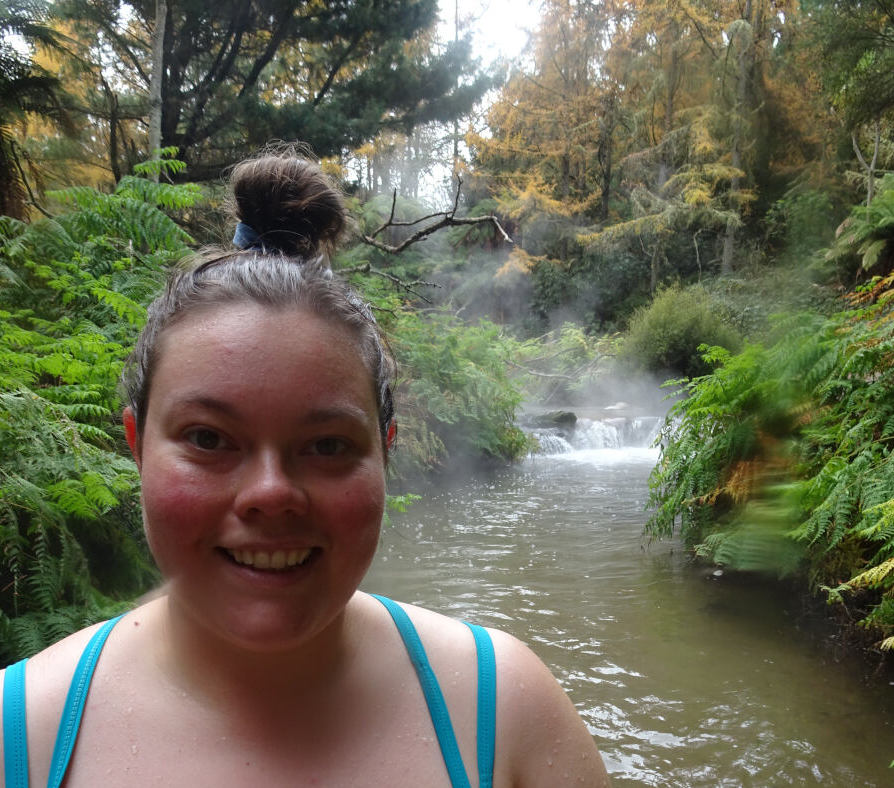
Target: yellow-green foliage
[[667, 334]]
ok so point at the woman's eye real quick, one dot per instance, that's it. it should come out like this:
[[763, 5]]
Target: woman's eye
[[205, 439], [329, 447]]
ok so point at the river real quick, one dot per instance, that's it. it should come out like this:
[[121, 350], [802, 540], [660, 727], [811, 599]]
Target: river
[[684, 678]]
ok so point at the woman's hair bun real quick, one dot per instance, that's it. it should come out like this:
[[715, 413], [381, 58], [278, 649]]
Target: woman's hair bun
[[290, 203]]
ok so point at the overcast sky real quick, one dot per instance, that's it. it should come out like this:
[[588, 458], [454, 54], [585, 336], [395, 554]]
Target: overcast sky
[[499, 26]]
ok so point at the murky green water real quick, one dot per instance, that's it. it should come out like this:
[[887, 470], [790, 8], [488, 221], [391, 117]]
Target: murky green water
[[683, 680]]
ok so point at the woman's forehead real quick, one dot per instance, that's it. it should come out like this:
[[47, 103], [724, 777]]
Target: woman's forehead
[[250, 344]]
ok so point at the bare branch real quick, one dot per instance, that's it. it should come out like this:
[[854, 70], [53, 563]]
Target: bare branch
[[409, 287], [447, 219], [858, 151], [547, 375]]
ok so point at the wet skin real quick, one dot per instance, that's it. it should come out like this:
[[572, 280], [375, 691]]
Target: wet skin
[[262, 472]]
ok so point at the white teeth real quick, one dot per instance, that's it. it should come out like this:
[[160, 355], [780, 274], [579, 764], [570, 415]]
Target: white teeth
[[279, 559]]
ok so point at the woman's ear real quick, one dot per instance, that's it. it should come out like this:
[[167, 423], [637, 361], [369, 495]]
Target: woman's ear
[[391, 434], [130, 433]]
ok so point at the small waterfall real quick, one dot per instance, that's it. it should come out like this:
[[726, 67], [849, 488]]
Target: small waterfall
[[618, 432], [605, 434], [551, 443]]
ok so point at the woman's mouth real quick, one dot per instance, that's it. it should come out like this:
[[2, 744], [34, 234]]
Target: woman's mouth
[[275, 560]]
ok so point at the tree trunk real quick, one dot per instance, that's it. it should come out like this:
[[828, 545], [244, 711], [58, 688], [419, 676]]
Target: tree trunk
[[671, 77], [656, 264], [745, 51], [606, 149], [114, 155], [155, 84], [869, 166]]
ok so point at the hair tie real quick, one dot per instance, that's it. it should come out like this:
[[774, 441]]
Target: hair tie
[[246, 237]]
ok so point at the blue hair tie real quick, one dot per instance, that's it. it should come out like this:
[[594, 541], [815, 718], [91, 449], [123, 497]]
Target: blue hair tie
[[246, 237]]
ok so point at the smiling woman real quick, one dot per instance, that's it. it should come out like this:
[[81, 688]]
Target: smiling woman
[[260, 417]]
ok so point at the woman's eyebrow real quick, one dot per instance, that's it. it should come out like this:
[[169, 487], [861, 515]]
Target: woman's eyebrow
[[205, 402], [314, 416], [336, 413]]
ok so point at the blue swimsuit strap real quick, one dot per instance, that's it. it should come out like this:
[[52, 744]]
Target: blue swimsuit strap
[[15, 732], [74, 704], [487, 704], [437, 707]]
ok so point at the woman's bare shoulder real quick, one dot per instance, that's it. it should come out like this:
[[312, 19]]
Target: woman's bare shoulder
[[544, 738], [47, 677], [541, 739], [50, 670]]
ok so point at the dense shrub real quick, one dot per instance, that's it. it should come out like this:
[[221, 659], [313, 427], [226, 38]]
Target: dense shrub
[[666, 335], [455, 399]]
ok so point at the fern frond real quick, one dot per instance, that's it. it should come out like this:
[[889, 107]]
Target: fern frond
[[876, 576]]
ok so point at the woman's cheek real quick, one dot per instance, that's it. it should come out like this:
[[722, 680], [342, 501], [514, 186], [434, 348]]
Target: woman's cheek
[[173, 511]]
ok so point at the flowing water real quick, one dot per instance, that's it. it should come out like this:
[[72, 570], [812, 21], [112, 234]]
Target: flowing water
[[684, 678]]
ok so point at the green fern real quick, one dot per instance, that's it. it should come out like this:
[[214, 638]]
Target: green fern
[[813, 410], [73, 291]]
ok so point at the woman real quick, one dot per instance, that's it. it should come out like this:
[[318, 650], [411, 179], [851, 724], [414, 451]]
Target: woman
[[260, 419]]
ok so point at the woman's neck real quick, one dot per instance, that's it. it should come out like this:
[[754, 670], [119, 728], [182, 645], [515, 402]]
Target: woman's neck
[[218, 672]]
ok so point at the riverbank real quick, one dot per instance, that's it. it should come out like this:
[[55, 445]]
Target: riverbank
[[832, 630]]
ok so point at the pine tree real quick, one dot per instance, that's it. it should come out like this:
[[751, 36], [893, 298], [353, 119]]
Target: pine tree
[[239, 74]]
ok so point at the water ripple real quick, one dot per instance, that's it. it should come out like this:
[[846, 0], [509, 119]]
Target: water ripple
[[682, 682]]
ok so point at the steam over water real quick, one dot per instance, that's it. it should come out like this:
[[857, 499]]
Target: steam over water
[[683, 678]]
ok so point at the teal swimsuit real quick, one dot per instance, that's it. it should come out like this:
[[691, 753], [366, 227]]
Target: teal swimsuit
[[15, 739]]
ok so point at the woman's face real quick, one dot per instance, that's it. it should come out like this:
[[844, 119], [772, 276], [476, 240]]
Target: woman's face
[[262, 471]]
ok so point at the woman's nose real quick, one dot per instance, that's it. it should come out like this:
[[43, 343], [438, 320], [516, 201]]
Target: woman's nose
[[270, 487]]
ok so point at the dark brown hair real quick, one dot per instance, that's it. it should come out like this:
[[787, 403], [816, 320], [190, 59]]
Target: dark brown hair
[[289, 203], [292, 217]]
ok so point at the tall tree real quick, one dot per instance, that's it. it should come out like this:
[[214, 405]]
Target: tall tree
[[852, 41], [552, 130], [242, 72], [156, 97]]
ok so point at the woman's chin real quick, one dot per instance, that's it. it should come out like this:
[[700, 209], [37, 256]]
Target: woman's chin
[[256, 626]]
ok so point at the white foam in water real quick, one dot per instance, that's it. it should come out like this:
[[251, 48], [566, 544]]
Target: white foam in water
[[625, 455], [604, 441], [596, 435], [551, 443]]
